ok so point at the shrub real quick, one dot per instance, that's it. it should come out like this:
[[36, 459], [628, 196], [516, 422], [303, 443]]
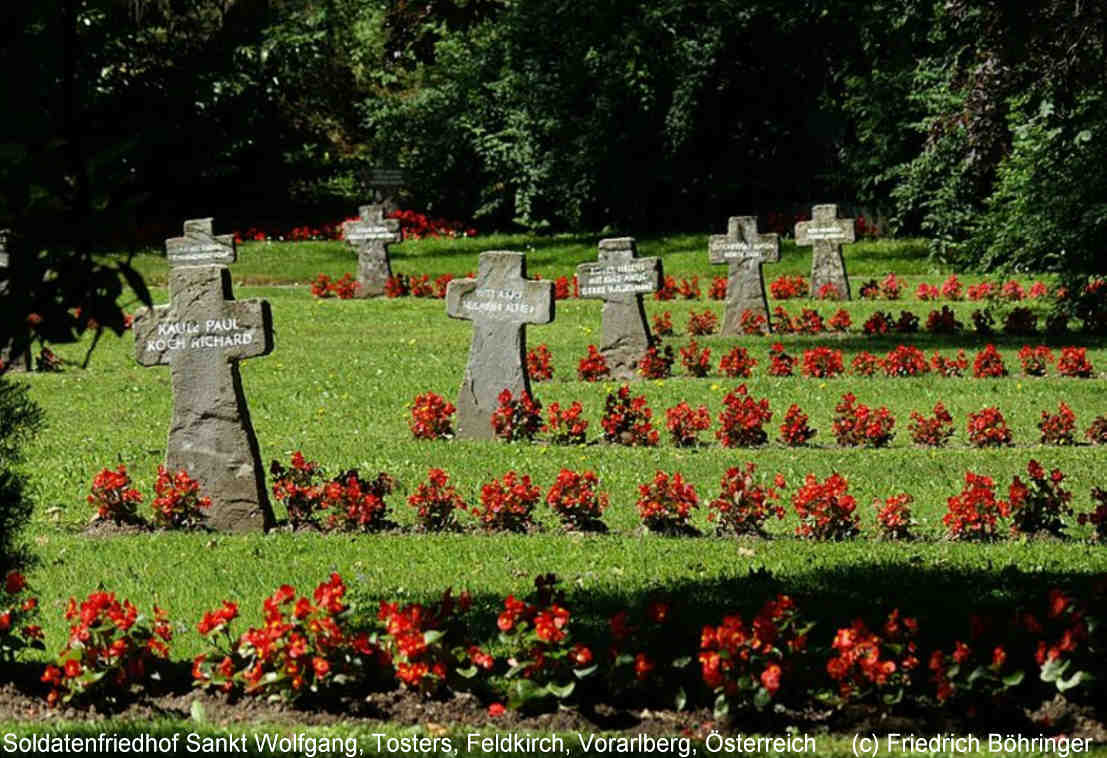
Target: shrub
[[1037, 290], [905, 360], [626, 420], [178, 504], [865, 364], [507, 505], [742, 420], [949, 367], [1035, 360], [436, 502], [1098, 516], [737, 363], [306, 644], [18, 611], [982, 291], [663, 324], [441, 284], [822, 362], [565, 427], [538, 364], [356, 504], [863, 662], [397, 286], [891, 286], [988, 428], [893, 517], [1097, 432], [869, 290], [431, 417], [841, 321], [666, 503], [752, 323], [927, 292], [718, 288], [780, 363], [113, 497], [322, 286], [562, 288], [702, 323], [420, 285], [696, 361], [931, 432], [983, 322], [825, 509], [689, 290], [809, 322], [828, 291], [877, 325], [345, 287], [545, 663], [656, 364], [20, 419], [1074, 362], [856, 424], [1012, 290], [907, 323], [972, 514], [786, 287], [750, 664], [988, 364], [299, 489], [516, 418], [576, 499], [642, 653], [684, 423], [1020, 321], [1058, 428], [795, 432], [951, 288], [667, 290], [1040, 505], [110, 651], [593, 367], [743, 505], [943, 322]]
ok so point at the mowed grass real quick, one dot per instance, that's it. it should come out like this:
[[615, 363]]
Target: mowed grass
[[338, 387]]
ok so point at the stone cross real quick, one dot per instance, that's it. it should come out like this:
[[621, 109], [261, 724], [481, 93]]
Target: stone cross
[[744, 251], [500, 302], [827, 233], [620, 278], [23, 362], [370, 236], [202, 335]]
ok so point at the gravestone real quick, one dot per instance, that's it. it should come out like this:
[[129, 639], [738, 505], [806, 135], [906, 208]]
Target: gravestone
[[620, 278], [744, 251], [202, 335], [22, 362], [370, 236], [500, 302], [385, 182], [827, 233]]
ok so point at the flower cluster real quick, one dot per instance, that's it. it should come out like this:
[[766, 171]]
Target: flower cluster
[[822, 362], [864, 661], [507, 504], [538, 364], [689, 290], [857, 424], [18, 611], [642, 656], [743, 505], [1098, 515], [742, 420], [1097, 432], [931, 432], [627, 420], [950, 367], [1035, 360], [356, 504], [667, 290], [717, 290], [593, 366], [295, 234], [753, 323], [893, 517], [795, 432], [565, 426], [737, 363], [788, 287], [576, 499], [417, 226], [516, 418], [431, 417], [905, 360], [696, 360], [299, 488], [988, 428], [656, 364], [685, 423], [780, 363], [988, 364], [666, 503], [110, 650], [825, 509], [113, 497], [1058, 428], [178, 503], [436, 501], [702, 323], [1039, 505], [1074, 362], [663, 324], [972, 514], [344, 288]]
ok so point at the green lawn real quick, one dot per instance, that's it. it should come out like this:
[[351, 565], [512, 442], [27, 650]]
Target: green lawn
[[338, 388]]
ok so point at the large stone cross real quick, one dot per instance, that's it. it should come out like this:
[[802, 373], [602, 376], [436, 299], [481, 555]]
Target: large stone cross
[[202, 335], [370, 236], [827, 233], [500, 302], [21, 362], [620, 278], [744, 251]]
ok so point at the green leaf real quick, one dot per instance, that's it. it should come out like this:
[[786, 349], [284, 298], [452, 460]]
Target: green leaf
[[762, 698], [466, 673], [582, 673], [1054, 669], [1013, 680], [561, 692], [679, 663], [432, 636], [1078, 678], [722, 707], [681, 699], [197, 713], [1083, 136]]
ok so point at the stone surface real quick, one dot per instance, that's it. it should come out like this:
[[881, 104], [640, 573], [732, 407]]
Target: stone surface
[[826, 233], [202, 335], [21, 363], [370, 236], [620, 278], [744, 251], [500, 302]]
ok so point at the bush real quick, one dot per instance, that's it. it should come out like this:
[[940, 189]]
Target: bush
[[822, 362], [905, 360], [656, 364], [1041, 505], [1058, 428], [20, 419], [743, 505], [516, 418], [893, 517], [702, 323], [565, 426], [538, 364], [857, 424], [685, 423], [576, 499], [972, 515], [988, 364], [825, 509], [508, 505], [696, 361], [436, 501], [931, 432], [737, 363], [431, 417], [795, 432], [593, 366], [988, 428], [742, 421], [627, 420], [666, 503]]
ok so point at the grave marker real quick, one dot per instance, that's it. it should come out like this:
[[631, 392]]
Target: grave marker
[[620, 278], [201, 335], [827, 233], [500, 302], [370, 236], [23, 362], [744, 251]]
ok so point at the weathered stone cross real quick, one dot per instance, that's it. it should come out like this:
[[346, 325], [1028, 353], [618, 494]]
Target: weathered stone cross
[[500, 302], [22, 362], [827, 233], [744, 251], [370, 236], [619, 279], [202, 335]]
